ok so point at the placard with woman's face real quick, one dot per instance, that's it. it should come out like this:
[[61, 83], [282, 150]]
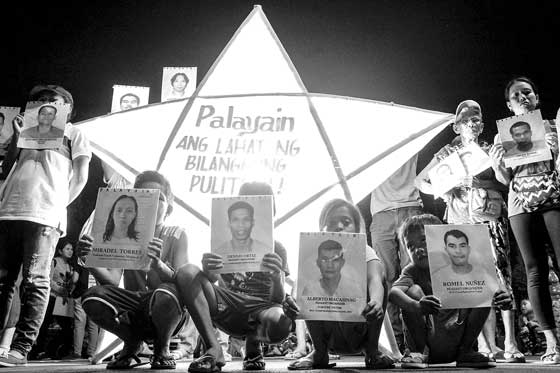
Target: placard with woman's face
[[178, 83], [123, 224]]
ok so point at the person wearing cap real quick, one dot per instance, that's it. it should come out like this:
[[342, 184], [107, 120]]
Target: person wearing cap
[[36, 193], [250, 304], [45, 128], [479, 200]]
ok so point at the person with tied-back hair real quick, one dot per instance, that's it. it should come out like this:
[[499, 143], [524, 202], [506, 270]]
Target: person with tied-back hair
[[36, 193], [522, 97], [121, 222], [339, 215], [147, 309]]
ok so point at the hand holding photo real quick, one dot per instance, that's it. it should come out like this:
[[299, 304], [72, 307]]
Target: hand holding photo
[[332, 276], [241, 232], [449, 172], [43, 125], [523, 139], [123, 224], [462, 266]]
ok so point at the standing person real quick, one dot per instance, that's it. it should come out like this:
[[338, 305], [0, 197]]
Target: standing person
[[522, 97], [349, 337], [482, 190], [392, 202], [33, 216], [435, 335], [251, 304], [63, 280], [148, 307]]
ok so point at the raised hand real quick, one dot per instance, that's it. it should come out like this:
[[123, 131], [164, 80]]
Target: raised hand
[[154, 252], [273, 263], [211, 261]]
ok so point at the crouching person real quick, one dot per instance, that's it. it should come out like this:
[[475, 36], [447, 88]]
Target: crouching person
[[339, 215], [250, 304], [435, 335], [148, 308]]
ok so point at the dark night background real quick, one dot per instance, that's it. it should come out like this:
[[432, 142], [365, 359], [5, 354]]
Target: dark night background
[[426, 54]]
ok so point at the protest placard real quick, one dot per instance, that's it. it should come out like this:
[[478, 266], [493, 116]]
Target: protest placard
[[123, 225], [448, 173], [178, 83], [43, 125], [126, 97], [462, 266], [241, 231], [332, 276], [523, 139]]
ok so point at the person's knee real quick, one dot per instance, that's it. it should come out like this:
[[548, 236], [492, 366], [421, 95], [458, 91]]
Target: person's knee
[[274, 326], [415, 292], [99, 312], [165, 306], [186, 275]]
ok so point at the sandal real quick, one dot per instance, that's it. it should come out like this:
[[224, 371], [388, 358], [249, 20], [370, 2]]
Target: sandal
[[379, 361], [254, 363], [294, 355], [162, 362], [124, 361], [206, 364], [552, 357], [516, 357], [306, 363]]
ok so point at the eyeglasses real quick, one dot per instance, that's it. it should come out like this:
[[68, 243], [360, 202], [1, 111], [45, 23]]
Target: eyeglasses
[[334, 259]]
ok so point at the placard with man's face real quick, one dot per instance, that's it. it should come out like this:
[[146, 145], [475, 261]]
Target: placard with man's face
[[43, 125], [241, 232], [126, 97], [332, 276], [523, 139], [474, 159], [462, 267]]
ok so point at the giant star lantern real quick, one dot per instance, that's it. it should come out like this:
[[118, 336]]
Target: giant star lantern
[[251, 118]]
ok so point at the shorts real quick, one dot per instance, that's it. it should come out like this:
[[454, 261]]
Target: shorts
[[134, 307], [344, 337], [237, 313]]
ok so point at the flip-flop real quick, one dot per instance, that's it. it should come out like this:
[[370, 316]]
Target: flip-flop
[[162, 362], [254, 363], [306, 363], [206, 364], [516, 357], [294, 355], [125, 362]]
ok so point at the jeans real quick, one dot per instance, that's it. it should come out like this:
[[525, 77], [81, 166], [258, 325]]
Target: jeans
[[384, 238], [83, 326], [28, 246]]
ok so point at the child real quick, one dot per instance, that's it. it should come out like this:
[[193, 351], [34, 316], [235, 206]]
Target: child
[[435, 335]]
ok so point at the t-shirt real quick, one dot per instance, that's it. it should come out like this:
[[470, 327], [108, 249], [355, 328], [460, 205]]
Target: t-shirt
[[258, 284], [414, 275], [398, 190], [37, 188], [138, 280]]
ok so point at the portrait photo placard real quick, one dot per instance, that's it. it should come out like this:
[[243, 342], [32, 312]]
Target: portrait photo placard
[[43, 125], [123, 224], [178, 83], [241, 232], [332, 276], [474, 159], [449, 172], [6, 127], [523, 139], [126, 97], [462, 266]]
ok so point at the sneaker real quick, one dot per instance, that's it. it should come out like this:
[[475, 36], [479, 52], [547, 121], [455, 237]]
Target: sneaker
[[9, 360], [475, 360], [414, 360]]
